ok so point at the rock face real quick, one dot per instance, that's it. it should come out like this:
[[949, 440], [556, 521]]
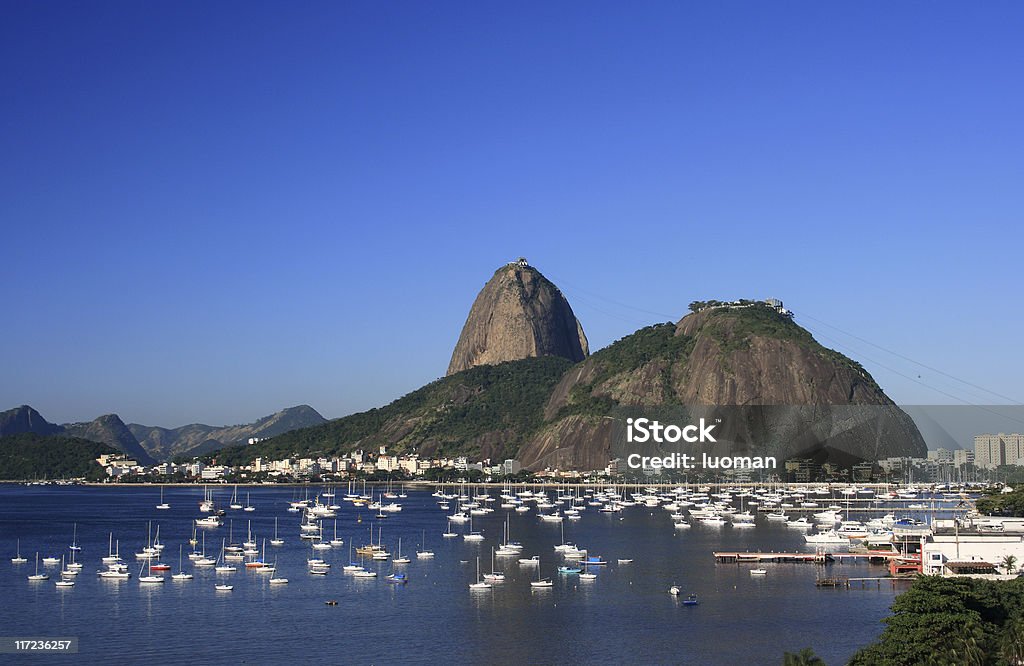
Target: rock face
[[110, 429], [770, 387], [518, 314], [25, 419]]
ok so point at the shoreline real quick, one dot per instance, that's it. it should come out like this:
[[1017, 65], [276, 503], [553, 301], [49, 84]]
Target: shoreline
[[496, 484]]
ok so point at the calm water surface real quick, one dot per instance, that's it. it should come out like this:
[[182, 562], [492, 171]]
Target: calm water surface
[[624, 615]]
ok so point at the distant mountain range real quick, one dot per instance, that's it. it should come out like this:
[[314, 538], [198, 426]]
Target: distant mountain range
[[150, 444]]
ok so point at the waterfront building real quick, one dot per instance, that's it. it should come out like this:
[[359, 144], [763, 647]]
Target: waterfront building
[[963, 457], [991, 451], [970, 554]]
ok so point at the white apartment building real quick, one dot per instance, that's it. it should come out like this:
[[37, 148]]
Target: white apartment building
[[991, 451]]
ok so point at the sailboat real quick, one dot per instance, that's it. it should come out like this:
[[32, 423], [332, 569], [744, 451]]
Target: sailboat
[[248, 504], [234, 500], [352, 567], [249, 542], [586, 575], [113, 554], [225, 567], [64, 582], [540, 582], [400, 559], [380, 553], [18, 559], [449, 534], [74, 540], [150, 578], [274, 580], [336, 541], [471, 535], [495, 576], [260, 563], [162, 505], [318, 540], [37, 575], [181, 575], [479, 584], [73, 568], [508, 548], [363, 573], [276, 541], [203, 560], [425, 553]]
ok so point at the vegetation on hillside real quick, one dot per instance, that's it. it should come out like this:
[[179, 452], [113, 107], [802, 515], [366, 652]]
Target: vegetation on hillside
[[998, 503], [28, 456], [732, 329], [505, 401], [961, 621], [652, 343]]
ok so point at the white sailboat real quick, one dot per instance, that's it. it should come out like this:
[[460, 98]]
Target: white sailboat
[[479, 584], [113, 554], [203, 560], [400, 559], [149, 578], [62, 581], [162, 505], [352, 567], [248, 503], [37, 575], [276, 541], [274, 580], [234, 500], [471, 535], [540, 582], [18, 559], [426, 553], [181, 575], [449, 534], [74, 539], [336, 541], [494, 576], [225, 567]]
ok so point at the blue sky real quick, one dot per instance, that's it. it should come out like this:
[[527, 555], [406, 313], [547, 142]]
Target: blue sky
[[214, 210]]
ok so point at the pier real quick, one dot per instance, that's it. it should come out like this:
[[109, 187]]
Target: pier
[[820, 557], [847, 583]]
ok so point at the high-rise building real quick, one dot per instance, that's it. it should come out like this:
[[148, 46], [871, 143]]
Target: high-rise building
[[990, 451], [963, 457]]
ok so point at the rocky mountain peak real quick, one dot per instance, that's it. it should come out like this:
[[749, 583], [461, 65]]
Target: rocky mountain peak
[[518, 314]]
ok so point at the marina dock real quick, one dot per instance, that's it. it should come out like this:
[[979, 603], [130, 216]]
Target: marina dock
[[820, 557]]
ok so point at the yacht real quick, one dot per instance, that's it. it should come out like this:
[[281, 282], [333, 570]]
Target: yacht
[[827, 537]]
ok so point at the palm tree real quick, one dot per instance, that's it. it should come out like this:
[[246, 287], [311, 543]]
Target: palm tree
[[1012, 643], [1009, 564], [805, 657]]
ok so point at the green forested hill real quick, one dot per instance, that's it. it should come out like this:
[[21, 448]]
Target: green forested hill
[[486, 411], [31, 456]]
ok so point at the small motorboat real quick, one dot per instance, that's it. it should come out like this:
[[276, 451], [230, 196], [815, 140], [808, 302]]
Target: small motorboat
[[758, 572], [691, 600]]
